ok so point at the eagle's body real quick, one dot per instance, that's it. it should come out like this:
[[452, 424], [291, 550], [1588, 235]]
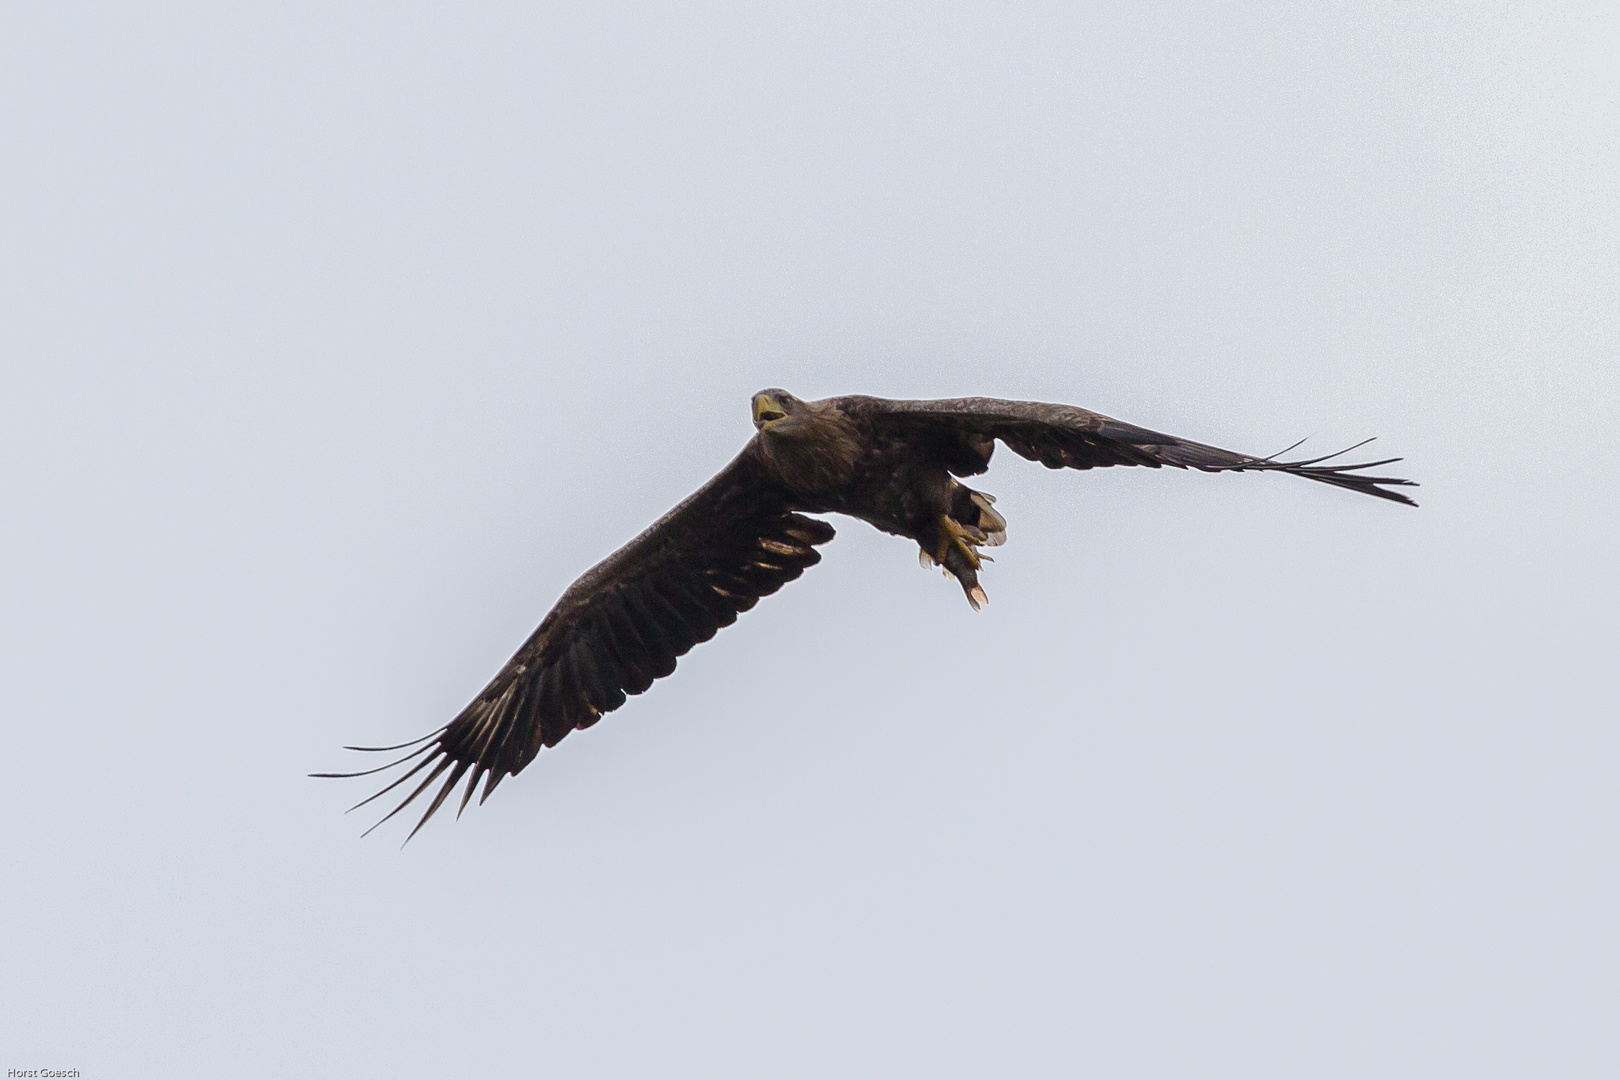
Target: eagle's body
[[893, 464], [840, 456]]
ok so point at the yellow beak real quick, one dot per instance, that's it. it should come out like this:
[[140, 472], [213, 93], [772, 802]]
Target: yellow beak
[[766, 409]]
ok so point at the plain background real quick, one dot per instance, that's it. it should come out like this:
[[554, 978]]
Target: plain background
[[338, 338]]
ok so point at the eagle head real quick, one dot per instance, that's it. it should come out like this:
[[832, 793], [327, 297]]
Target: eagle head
[[775, 405]]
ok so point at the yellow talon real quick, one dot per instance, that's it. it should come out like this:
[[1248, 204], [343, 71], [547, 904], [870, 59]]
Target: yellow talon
[[956, 553], [962, 538]]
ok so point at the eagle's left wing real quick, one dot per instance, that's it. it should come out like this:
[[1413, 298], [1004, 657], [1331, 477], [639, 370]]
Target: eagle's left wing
[[1067, 437]]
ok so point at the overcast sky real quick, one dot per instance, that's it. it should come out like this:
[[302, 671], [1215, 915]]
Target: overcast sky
[[337, 339]]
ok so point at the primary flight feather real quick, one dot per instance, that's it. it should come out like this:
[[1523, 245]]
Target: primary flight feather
[[743, 535]]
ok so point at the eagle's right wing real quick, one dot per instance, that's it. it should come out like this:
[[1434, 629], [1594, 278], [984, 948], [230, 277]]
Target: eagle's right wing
[[619, 627]]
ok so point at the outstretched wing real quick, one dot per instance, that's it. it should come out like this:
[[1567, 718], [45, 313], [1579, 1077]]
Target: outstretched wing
[[1066, 437], [619, 627]]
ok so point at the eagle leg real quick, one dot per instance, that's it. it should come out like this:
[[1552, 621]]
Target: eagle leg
[[956, 548]]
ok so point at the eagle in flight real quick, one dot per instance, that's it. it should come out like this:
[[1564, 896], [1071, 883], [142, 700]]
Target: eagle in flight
[[744, 534]]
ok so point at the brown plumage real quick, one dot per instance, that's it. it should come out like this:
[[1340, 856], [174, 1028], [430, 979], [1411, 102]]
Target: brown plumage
[[743, 535]]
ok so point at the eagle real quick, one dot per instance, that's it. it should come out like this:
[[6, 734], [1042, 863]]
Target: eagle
[[744, 534]]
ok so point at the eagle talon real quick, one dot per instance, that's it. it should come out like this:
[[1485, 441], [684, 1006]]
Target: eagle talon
[[957, 553], [962, 538]]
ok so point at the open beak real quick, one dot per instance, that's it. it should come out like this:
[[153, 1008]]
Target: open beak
[[766, 409]]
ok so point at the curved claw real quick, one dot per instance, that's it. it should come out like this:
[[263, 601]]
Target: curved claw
[[957, 551]]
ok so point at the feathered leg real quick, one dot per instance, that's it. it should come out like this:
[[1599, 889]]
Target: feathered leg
[[971, 523]]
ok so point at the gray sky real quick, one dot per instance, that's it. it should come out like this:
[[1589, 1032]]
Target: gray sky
[[336, 339]]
